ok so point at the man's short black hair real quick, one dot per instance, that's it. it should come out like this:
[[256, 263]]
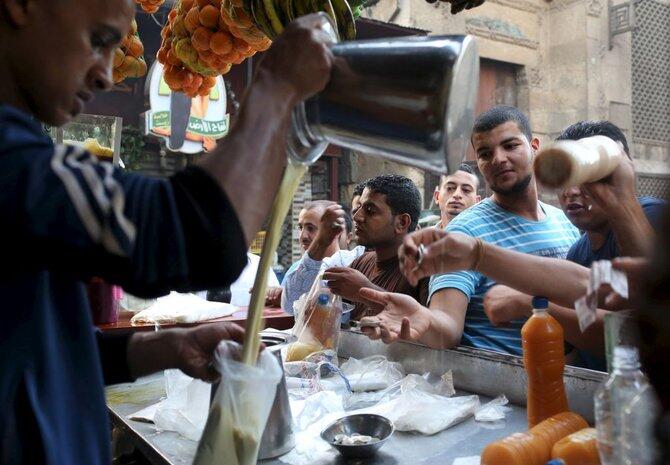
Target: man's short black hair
[[358, 190], [584, 129], [465, 168], [401, 193], [501, 114]]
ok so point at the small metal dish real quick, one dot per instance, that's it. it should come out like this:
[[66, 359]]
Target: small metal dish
[[367, 424]]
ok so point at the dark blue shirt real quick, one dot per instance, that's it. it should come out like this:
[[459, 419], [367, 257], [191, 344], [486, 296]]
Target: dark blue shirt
[[66, 218], [582, 253]]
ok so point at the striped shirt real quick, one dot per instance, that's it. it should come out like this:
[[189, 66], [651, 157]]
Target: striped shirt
[[549, 237]]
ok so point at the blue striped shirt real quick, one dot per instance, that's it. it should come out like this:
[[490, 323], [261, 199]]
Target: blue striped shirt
[[550, 237]]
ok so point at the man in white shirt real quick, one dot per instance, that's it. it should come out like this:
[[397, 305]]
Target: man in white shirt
[[322, 253]]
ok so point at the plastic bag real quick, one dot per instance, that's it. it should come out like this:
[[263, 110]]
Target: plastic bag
[[185, 408], [494, 410], [317, 326], [426, 413], [182, 308], [240, 408], [316, 407], [304, 379], [372, 373]]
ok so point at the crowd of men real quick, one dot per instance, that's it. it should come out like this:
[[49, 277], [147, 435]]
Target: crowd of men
[[599, 221]]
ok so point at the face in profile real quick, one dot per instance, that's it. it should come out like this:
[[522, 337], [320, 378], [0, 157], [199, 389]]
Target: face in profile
[[61, 51], [374, 222]]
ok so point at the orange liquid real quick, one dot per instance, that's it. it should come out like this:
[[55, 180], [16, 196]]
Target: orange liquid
[[544, 360], [580, 448], [535, 446]]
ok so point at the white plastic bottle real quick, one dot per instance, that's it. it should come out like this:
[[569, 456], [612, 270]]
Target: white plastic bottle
[[639, 416], [611, 399], [569, 163]]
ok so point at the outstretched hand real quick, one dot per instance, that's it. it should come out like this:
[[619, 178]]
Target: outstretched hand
[[402, 317]]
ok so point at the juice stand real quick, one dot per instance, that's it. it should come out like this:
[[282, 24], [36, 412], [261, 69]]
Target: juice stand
[[369, 118]]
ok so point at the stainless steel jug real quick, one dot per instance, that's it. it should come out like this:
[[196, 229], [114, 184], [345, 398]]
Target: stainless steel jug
[[408, 99]]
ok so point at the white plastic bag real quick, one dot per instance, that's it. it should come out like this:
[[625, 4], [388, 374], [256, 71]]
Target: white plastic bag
[[494, 410], [426, 413], [372, 373], [240, 408], [182, 308], [185, 408]]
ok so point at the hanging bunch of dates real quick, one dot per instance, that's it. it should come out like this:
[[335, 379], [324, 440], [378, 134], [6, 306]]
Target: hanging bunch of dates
[[205, 38], [272, 16]]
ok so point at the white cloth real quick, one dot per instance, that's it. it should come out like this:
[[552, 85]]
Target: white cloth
[[182, 308], [240, 296]]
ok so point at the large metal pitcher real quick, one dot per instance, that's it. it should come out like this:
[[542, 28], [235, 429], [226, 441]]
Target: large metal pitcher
[[408, 99]]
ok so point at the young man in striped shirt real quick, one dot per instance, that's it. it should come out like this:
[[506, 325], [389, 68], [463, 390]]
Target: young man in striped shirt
[[513, 217]]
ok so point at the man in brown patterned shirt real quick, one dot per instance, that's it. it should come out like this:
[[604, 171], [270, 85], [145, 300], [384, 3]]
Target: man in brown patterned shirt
[[390, 208]]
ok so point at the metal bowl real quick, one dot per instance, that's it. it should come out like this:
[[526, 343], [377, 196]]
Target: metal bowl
[[363, 423]]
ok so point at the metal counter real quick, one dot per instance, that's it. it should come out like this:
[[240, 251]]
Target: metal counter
[[485, 373]]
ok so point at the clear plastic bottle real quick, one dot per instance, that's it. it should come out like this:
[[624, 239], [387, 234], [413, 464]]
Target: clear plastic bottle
[[639, 443], [620, 389]]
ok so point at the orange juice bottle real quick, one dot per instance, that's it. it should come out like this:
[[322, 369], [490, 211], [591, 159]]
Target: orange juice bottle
[[533, 447], [544, 360], [580, 448]]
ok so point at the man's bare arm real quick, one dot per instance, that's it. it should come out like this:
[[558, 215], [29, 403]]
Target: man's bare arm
[[561, 281], [448, 308], [403, 318]]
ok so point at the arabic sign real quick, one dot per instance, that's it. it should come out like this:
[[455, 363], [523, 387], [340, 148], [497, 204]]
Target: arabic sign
[[206, 122]]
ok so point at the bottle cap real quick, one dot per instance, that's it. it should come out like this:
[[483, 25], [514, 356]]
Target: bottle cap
[[626, 357], [540, 302], [556, 462], [323, 299]]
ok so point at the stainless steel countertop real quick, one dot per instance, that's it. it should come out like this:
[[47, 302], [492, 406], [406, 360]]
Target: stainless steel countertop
[[169, 448], [485, 373]]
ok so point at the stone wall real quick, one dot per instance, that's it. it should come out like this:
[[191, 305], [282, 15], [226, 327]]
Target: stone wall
[[568, 69]]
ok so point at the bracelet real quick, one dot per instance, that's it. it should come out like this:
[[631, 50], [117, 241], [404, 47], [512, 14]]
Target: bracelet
[[479, 254]]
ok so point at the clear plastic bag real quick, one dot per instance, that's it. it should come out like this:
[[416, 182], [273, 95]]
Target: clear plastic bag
[[426, 413], [317, 323], [372, 373], [240, 408], [185, 408], [494, 410]]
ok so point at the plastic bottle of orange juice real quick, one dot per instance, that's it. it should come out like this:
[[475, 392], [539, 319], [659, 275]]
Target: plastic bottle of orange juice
[[544, 360], [533, 447], [580, 448]]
